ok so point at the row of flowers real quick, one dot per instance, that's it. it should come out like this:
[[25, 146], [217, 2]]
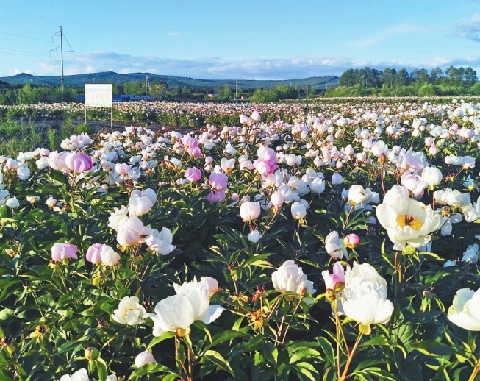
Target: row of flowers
[[195, 115]]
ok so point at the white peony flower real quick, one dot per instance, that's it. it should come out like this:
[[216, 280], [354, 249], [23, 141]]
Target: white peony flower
[[337, 179], [335, 246], [465, 311], [249, 211], [298, 210], [139, 205], [358, 195], [254, 236], [176, 313], [368, 309], [432, 176], [290, 278], [12, 203], [471, 254], [407, 221], [79, 375], [108, 256], [144, 358], [365, 296], [160, 242], [117, 217], [129, 311]]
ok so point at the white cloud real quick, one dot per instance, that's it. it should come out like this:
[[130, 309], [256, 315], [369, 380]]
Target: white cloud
[[217, 68], [469, 29], [16, 71]]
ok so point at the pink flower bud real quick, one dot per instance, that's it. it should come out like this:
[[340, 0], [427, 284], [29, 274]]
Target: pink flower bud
[[352, 240]]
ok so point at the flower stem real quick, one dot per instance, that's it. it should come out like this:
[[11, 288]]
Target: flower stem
[[475, 372], [350, 357], [190, 365]]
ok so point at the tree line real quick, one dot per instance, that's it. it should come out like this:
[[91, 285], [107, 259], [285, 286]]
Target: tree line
[[421, 82], [29, 93], [353, 82]]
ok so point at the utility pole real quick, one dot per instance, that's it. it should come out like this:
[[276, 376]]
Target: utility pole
[[61, 58]]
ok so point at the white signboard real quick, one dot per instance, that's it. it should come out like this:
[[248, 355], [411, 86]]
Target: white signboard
[[97, 95]]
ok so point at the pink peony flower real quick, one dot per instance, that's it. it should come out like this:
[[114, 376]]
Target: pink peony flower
[[78, 162], [217, 196], [61, 251], [129, 231], [193, 174], [218, 181], [93, 253], [335, 280], [123, 168]]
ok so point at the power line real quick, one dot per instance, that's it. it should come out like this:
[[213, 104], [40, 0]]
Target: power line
[[25, 53], [29, 38], [83, 63], [71, 49]]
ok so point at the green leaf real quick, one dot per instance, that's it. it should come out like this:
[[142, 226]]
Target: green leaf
[[379, 374], [432, 348], [327, 350], [379, 340], [226, 336], [219, 361], [303, 354], [262, 264], [6, 313], [101, 369], [164, 336]]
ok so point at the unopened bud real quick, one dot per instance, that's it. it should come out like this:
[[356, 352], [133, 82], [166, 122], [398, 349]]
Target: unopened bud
[[91, 353]]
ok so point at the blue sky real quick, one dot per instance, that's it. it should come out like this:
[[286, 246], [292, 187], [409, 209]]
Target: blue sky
[[249, 39]]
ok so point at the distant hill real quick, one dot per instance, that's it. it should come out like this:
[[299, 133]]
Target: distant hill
[[79, 80]]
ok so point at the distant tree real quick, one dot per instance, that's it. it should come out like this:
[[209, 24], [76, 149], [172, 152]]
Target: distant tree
[[348, 78], [117, 89], [402, 78], [26, 94], [388, 77], [134, 88], [427, 89], [419, 76], [157, 89], [454, 76], [224, 93], [469, 77], [475, 89], [436, 76]]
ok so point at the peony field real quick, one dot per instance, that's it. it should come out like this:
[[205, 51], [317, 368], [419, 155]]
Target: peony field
[[337, 240]]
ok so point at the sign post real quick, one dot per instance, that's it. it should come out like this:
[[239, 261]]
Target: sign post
[[99, 95]]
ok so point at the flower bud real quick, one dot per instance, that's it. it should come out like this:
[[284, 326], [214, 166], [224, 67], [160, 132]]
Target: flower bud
[[91, 353], [352, 240]]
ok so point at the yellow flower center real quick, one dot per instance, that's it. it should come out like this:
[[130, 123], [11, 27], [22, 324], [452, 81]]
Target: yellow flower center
[[125, 313], [405, 220]]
